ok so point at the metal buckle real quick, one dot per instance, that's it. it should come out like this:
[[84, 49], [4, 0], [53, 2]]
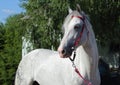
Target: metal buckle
[[74, 55]]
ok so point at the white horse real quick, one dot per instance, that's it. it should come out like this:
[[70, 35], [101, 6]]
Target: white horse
[[55, 68]]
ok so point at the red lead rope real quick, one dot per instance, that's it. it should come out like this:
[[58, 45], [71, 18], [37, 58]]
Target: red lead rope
[[85, 81]]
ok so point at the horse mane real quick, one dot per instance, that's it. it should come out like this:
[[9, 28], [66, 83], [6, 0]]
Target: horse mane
[[91, 32], [88, 24], [85, 15]]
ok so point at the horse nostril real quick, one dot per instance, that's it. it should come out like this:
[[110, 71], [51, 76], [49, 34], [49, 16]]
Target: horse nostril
[[63, 52]]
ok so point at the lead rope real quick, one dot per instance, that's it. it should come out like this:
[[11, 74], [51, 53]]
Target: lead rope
[[77, 71]]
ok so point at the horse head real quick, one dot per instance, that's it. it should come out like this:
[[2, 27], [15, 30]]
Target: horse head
[[75, 33]]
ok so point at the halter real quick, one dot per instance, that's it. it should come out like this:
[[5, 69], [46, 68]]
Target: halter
[[79, 38], [76, 43], [83, 27]]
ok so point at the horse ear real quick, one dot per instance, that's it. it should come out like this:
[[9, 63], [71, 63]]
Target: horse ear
[[78, 8], [70, 10]]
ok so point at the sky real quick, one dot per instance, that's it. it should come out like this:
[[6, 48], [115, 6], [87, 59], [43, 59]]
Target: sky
[[9, 7]]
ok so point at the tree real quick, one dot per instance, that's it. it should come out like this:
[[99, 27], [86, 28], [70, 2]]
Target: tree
[[10, 51], [45, 21], [105, 19], [46, 18], [2, 31]]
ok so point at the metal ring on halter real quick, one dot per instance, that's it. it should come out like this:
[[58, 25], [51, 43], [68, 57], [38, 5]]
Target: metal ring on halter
[[74, 55]]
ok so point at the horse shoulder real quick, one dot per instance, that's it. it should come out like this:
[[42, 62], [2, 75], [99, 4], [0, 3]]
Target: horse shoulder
[[33, 59]]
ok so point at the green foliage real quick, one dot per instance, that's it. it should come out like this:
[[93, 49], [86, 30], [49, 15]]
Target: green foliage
[[45, 21], [2, 31], [10, 49], [105, 18], [46, 18]]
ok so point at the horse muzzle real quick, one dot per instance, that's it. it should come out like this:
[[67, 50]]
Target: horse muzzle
[[65, 53]]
